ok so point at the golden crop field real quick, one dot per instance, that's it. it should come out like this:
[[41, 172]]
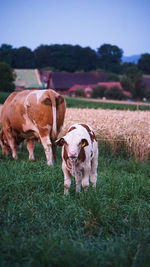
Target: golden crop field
[[116, 128]]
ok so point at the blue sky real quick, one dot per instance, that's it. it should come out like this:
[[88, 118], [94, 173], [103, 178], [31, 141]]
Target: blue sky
[[125, 23]]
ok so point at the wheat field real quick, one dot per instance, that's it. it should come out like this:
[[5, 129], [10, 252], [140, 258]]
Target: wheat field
[[129, 129], [117, 128]]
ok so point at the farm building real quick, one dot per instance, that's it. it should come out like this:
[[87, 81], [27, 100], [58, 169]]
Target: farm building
[[63, 81], [27, 79]]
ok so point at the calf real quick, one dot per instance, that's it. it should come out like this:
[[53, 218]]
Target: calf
[[79, 156]]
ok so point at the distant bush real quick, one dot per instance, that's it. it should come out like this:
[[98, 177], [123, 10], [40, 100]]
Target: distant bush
[[112, 77], [7, 78], [99, 92], [79, 92], [115, 93], [3, 96]]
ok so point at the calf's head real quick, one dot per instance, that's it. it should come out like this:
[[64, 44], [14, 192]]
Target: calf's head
[[73, 146]]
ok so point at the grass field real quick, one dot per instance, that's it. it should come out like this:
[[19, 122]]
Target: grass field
[[109, 226], [39, 226], [118, 105], [73, 102]]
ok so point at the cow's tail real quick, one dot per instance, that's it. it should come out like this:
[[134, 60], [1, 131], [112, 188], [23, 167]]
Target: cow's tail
[[54, 112]]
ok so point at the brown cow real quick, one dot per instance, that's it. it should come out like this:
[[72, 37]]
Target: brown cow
[[32, 114]]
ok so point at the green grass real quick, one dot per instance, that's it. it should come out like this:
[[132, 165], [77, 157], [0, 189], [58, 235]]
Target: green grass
[[39, 226], [73, 102]]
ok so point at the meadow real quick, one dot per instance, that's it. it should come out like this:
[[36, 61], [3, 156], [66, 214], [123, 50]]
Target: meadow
[[73, 102], [39, 226], [108, 226]]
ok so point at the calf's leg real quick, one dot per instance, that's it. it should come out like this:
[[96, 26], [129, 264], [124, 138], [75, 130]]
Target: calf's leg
[[78, 179], [30, 147], [85, 179], [67, 179], [93, 172]]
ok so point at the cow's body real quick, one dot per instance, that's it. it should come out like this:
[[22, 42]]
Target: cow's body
[[29, 115], [79, 156]]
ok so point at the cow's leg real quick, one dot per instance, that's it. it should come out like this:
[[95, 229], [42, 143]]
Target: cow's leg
[[30, 147], [93, 172], [78, 179], [12, 144], [85, 179], [67, 179], [48, 149]]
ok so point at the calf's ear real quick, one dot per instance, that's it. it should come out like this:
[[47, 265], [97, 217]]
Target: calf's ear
[[84, 143], [60, 142]]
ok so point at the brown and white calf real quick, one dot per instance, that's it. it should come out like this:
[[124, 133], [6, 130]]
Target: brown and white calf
[[29, 115], [79, 156]]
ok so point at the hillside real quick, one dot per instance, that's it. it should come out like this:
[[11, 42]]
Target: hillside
[[133, 58]]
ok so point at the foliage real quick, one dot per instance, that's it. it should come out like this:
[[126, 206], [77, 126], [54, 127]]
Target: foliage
[[3, 96], [99, 92], [147, 95], [7, 78], [112, 77], [126, 83], [127, 65], [24, 58], [105, 227], [144, 63], [114, 93], [134, 82], [21, 58], [79, 92], [63, 57], [110, 57]]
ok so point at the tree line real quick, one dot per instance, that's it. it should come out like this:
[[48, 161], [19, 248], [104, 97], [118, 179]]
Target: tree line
[[71, 58]]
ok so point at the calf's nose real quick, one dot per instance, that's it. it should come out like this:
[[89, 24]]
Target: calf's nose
[[72, 154]]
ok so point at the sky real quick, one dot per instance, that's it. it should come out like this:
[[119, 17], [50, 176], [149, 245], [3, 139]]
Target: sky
[[30, 23]]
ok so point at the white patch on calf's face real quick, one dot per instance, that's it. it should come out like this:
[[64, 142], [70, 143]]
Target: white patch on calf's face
[[73, 146]]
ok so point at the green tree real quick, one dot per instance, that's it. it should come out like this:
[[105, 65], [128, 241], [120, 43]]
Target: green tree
[[42, 56], [112, 77], [66, 57], [7, 78], [114, 93], [99, 92], [126, 83], [24, 58], [134, 76], [7, 54], [79, 92], [110, 57], [144, 63]]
